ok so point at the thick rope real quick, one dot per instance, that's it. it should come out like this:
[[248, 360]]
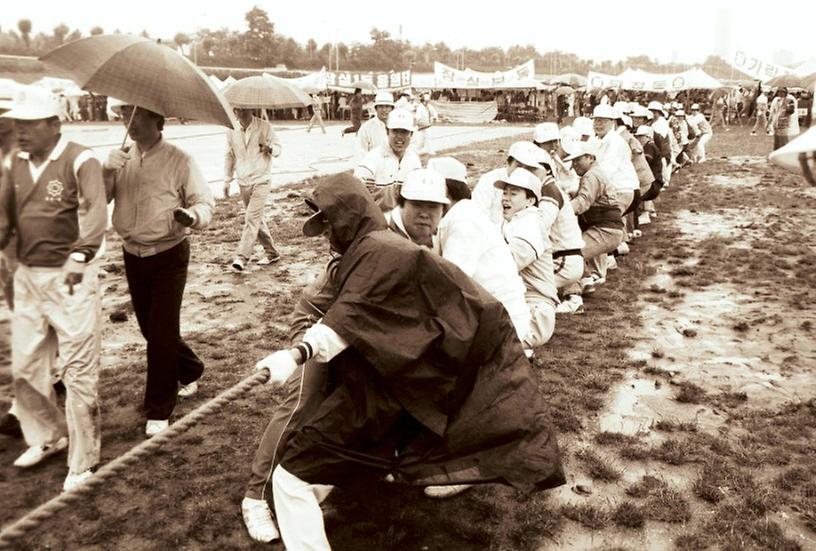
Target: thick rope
[[50, 508]]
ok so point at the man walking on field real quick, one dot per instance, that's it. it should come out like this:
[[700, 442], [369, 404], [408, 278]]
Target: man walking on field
[[250, 150]]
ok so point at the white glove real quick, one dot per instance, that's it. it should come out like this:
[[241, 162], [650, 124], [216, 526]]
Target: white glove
[[117, 159], [280, 364]]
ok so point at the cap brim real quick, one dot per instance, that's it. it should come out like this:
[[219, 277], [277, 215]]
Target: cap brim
[[576, 155], [315, 225], [28, 115]]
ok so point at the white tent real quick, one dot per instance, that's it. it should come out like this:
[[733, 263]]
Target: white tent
[[59, 86]]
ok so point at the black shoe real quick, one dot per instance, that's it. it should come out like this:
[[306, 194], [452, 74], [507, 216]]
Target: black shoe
[[10, 426]]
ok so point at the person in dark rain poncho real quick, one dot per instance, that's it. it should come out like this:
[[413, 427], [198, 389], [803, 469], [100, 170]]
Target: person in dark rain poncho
[[431, 384]]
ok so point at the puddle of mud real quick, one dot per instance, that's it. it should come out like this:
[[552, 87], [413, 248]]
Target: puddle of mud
[[638, 403], [696, 338], [747, 160], [736, 181], [699, 226]]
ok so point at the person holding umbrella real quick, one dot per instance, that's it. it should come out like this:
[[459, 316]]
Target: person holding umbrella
[[53, 201], [250, 149], [160, 193], [356, 109]]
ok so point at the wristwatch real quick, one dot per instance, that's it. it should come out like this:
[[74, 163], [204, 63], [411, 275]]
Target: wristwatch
[[79, 257]]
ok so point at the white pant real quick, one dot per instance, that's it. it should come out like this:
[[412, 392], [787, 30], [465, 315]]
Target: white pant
[[568, 270], [297, 508], [700, 152], [47, 318], [542, 324]]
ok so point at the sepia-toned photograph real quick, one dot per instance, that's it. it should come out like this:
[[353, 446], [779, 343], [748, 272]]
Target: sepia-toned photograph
[[407, 277]]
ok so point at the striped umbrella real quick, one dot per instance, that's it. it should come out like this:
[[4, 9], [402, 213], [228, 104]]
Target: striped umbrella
[[266, 92], [141, 72]]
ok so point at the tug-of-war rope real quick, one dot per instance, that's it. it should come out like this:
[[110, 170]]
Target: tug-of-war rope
[[34, 518]]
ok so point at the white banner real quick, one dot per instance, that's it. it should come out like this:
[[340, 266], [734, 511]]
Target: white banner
[[474, 112], [382, 80], [522, 76], [757, 67], [635, 79]]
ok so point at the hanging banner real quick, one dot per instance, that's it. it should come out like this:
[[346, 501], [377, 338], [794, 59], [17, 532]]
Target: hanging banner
[[390, 80], [472, 112], [637, 80], [522, 76], [757, 67]]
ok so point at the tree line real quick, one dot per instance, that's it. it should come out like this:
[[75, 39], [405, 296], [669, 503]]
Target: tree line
[[259, 46]]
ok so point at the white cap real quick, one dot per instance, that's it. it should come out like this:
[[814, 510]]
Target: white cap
[[640, 111], [645, 130], [584, 126], [621, 107], [604, 111], [526, 153], [569, 136], [449, 168], [400, 119], [424, 184], [583, 148], [545, 160], [384, 98], [546, 132], [680, 113], [695, 106], [521, 178], [634, 106], [655, 106], [31, 104]]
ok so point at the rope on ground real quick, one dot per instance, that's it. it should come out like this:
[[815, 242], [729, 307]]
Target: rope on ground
[[50, 508]]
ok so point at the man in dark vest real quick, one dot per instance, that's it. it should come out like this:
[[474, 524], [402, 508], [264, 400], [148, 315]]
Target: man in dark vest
[[53, 202]]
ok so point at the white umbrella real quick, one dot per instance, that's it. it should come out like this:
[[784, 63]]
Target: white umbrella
[[799, 155]]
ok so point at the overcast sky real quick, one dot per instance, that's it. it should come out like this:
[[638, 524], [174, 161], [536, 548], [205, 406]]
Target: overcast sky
[[686, 31]]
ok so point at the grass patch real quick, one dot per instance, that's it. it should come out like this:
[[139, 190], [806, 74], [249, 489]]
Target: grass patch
[[689, 393], [628, 515], [591, 516], [598, 467]]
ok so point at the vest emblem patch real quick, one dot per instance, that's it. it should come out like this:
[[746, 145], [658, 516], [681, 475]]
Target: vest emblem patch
[[54, 190]]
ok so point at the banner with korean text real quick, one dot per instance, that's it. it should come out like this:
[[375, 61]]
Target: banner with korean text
[[756, 67], [391, 80], [637, 80], [522, 76]]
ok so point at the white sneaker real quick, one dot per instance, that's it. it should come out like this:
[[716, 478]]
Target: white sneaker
[[35, 454], [623, 248], [444, 492], [573, 305], [185, 391], [74, 480], [587, 285], [258, 520], [269, 259], [611, 262], [238, 264], [155, 426]]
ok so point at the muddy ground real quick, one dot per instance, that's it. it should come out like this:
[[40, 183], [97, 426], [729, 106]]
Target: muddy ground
[[684, 396]]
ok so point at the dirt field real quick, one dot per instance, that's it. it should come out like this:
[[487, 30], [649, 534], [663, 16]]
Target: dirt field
[[683, 396]]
